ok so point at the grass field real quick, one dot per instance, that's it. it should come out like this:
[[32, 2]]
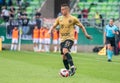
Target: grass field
[[30, 67]]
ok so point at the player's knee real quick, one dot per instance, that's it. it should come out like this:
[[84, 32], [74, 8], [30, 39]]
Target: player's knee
[[65, 50], [64, 57]]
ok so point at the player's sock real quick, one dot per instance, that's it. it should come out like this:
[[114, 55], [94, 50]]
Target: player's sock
[[15, 47], [12, 46], [108, 54], [111, 54], [48, 48], [65, 62], [55, 48], [40, 47], [34, 49], [45, 48], [69, 59]]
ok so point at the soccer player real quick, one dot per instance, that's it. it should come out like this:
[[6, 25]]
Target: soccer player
[[55, 39], [41, 38], [109, 38], [15, 36], [66, 23], [35, 38], [47, 40]]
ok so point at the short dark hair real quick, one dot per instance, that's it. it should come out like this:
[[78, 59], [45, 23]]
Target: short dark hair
[[63, 5]]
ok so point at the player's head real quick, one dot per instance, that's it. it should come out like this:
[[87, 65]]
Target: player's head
[[36, 27], [15, 28], [111, 21], [65, 9]]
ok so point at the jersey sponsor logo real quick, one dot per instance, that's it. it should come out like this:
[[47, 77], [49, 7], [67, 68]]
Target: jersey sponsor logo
[[65, 34]]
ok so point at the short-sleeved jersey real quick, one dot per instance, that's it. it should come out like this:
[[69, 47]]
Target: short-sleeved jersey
[[55, 35], [36, 33], [67, 27], [46, 33], [41, 33], [15, 33], [109, 30]]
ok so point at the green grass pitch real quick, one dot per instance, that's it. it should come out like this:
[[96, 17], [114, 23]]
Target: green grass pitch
[[30, 67]]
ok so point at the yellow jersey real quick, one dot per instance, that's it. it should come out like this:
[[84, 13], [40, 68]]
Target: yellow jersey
[[67, 27]]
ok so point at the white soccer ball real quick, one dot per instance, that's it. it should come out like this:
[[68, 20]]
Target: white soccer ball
[[64, 72]]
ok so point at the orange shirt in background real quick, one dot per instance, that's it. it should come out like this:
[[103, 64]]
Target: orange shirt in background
[[47, 35], [75, 35], [41, 34], [36, 33], [15, 33], [55, 35]]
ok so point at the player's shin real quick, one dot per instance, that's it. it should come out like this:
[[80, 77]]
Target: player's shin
[[65, 62]]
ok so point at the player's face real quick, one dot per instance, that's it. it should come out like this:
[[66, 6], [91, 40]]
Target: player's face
[[64, 11], [111, 22], [36, 27]]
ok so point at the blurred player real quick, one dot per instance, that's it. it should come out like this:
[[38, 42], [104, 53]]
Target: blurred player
[[15, 36], [47, 40], [75, 41], [55, 39], [66, 23], [35, 38], [109, 38], [41, 38]]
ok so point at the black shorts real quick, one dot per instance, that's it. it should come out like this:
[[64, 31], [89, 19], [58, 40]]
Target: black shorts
[[66, 44], [110, 40]]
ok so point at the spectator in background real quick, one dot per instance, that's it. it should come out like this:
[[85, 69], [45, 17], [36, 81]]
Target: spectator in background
[[35, 38], [25, 27], [102, 21], [38, 19], [10, 2], [15, 36], [10, 26], [97, 19], [19, 2], [12, 11], [5, 14], [80, 15]]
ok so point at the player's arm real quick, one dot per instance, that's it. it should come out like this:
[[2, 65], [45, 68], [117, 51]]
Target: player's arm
[[77, 22], [54, 25]]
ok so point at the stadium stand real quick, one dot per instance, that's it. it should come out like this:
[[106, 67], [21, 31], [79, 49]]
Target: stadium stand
[[104, 7]]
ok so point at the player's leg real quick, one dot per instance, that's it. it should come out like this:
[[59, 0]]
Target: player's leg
[[45, 46], [55, 45], [34, 44], [16, 43], [75, 46], [112, 45], [12, 45], [65, 62], [67, 46], [48, 45], [40, 44]]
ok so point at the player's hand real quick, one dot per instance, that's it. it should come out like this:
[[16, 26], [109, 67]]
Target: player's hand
[[113, 32], [88, 37]]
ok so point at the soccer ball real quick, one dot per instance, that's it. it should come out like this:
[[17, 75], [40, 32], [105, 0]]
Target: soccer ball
[[64, 72]]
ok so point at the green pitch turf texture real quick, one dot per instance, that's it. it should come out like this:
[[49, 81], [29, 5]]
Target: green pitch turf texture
[[30, 67]]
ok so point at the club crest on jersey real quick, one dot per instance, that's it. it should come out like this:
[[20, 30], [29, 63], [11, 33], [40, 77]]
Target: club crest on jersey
[[70, 21]]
